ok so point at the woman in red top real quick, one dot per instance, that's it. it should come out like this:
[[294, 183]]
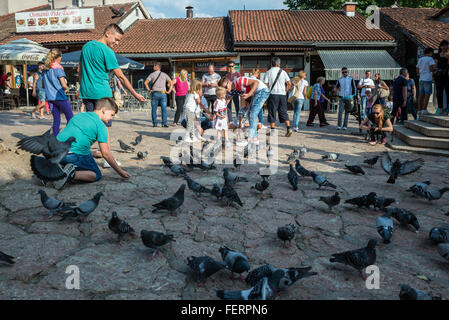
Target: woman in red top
[[181, 86]]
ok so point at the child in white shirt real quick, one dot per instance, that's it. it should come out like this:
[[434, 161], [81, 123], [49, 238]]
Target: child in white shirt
[[192, 104], [220, 112]]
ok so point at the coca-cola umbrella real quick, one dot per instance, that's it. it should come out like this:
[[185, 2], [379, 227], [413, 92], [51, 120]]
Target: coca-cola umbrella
[[22, 51]]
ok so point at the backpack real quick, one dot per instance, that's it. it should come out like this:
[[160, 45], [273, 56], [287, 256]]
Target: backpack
[[309, 92]]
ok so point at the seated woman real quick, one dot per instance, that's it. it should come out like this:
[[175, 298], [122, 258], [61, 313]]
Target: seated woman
[[377, 124]]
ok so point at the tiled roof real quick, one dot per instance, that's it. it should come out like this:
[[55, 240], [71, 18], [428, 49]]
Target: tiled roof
[[102, 19], [419, 24], [7, 22], [193, 35], [301, 26]]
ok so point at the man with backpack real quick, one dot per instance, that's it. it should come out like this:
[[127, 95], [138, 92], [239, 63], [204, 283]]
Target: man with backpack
[[279, 84], [346, 90]]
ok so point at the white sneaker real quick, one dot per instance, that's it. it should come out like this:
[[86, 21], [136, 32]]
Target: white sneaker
[[344, 128], [338, 128], [264, 127], [242, 143], [200, 138]]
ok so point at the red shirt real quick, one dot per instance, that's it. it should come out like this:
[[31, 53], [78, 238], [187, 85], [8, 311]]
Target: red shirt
[[233, 76], [3, 79]]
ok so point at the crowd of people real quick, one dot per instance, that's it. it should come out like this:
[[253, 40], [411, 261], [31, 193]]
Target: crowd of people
[[205, 104]]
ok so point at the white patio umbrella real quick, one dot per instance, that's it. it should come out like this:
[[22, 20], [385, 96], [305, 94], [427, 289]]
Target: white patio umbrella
[[22, 51]]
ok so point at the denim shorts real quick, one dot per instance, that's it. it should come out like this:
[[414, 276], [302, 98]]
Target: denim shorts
[[83, 163], [41, 95], [425, 87]]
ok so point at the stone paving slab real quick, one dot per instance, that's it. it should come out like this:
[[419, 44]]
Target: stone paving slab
[[45, 247]]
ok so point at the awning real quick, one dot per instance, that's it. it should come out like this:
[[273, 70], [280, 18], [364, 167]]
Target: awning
[[357, 62], [72, 59]]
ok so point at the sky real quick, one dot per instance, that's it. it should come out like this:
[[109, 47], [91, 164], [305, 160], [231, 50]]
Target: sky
[[206, 8]]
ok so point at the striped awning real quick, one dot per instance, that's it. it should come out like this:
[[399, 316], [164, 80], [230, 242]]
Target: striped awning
[[357, 62]]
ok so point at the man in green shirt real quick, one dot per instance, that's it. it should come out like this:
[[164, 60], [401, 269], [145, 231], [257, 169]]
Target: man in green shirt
[[96, 62], [88, 127]]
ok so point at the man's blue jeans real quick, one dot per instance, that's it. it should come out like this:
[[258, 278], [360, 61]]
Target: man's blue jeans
[[363, 107], [297, 104], [341, 109], [159, 98], [259, 99]]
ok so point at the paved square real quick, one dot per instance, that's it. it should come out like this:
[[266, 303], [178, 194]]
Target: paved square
[[44, 248]]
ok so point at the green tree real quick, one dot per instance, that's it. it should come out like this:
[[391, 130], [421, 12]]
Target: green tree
[[362, 4]]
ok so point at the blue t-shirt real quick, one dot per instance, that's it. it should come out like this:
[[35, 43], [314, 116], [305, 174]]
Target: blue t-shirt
[[53, 87], [398, 85], [316, 91]]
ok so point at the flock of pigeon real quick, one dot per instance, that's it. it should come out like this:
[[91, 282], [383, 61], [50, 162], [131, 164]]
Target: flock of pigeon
[[267, 281]]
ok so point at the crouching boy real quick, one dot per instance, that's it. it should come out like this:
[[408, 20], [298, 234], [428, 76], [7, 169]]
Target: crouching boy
[[88, 127]]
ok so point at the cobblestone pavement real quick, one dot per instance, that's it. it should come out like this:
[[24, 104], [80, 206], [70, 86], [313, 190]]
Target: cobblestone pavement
[[44, 248]]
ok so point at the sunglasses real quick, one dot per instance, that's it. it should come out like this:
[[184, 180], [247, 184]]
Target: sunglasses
[[344, 72], [231, 66], [375, 112]]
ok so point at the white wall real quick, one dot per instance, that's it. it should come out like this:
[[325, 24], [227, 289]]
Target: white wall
[[10, 6]]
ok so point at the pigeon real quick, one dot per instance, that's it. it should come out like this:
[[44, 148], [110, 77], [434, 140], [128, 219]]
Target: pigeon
[[363, 201], [124, 146], [266, 289], [155, 240], [404, 217], [419, 188], [359, 258], [232, 178], [381, 202], [355, 169], [137, 141], [204, 267], [167, 161], [321, 181], [238, 161], [293, 178], [230, 194], [290, 276], [270, 153], [439, 235], [217, 191], [177, 170], [235, 261], [117, 13], [293, 156], [6, 258], [443, 250], [303, 152], [261, 186], [301, 170], [172, 203], [84, 209], [384, 226], [54, 151], [54, 205], [286, 233], [409, 293], [331, 156], [142, 155], [431, 194], [331, 201], [396, 168], [119, 226], [371, 162], [195, 186]]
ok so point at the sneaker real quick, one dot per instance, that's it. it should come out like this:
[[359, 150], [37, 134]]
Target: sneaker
[[69, 170], [154, 125], [324, 124], [289, 132], [242, 143], [200, 138], [384, 141], [345, 128], [372, 142], [264, 127], [338, 128], [296, 129], [165, 126]]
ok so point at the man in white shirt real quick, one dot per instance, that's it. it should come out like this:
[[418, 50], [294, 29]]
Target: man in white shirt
[[279, 84], [209, 82], [365, 83], [347, 91], [424, 68]]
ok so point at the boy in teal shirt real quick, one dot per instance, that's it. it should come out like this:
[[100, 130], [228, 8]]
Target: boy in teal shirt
[[88, 127]]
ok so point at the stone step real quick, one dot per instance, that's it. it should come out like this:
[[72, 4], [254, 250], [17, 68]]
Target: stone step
[[417, 139], [427, 129], [442, 121], [398, 144]]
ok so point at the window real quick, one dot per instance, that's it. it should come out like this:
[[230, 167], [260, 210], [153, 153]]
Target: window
[[76, 3], [292, 62], [252, 62]]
